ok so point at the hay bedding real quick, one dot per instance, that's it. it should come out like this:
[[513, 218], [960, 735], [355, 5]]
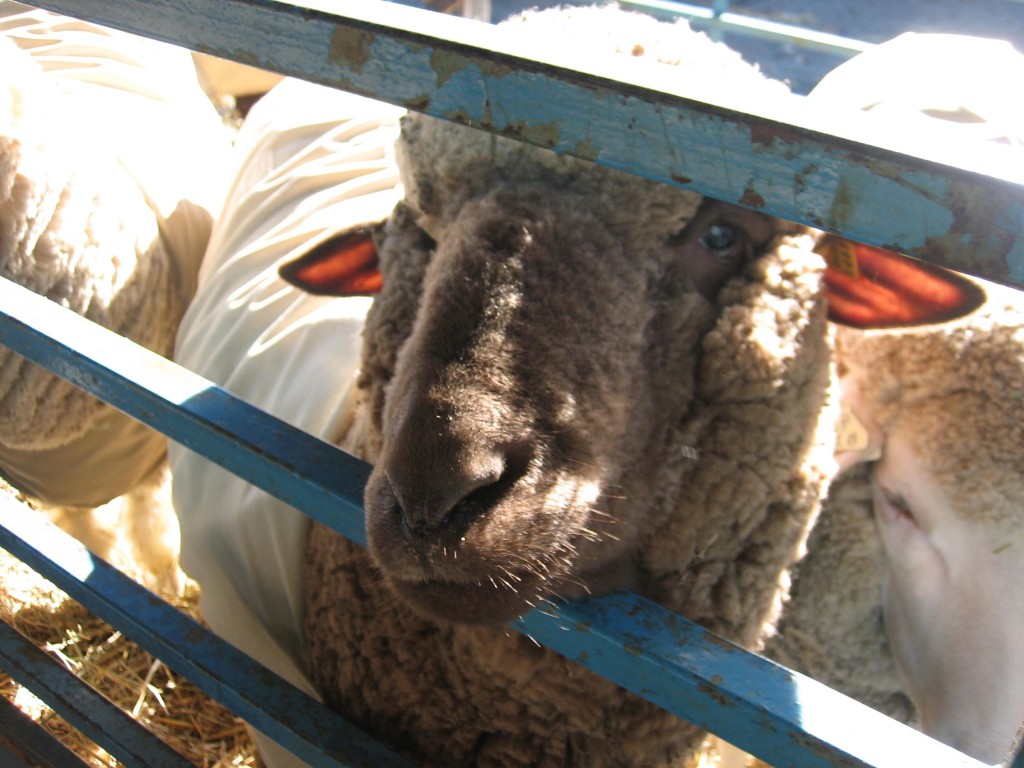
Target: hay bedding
[[168, 705]]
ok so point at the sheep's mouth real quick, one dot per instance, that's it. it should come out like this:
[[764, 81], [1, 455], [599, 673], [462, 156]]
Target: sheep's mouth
[[491, 601], [460, 575], [493, 556]]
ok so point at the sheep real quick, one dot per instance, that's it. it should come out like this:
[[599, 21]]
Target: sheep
[[572, 381], [947, 496], [831, 627], [929, 534], [109, 153]]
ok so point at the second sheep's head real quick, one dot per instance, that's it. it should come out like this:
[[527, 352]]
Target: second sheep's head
[[533, 361]]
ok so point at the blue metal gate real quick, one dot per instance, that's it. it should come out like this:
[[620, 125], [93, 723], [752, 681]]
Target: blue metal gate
[[790, 165]]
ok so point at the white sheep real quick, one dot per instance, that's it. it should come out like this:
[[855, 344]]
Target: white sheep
[[932, 534], [573, 381], [109, 153], [945, 404]]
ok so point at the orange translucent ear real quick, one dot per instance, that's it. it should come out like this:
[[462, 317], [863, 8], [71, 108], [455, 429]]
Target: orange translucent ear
[[870, 287], [344, 264]]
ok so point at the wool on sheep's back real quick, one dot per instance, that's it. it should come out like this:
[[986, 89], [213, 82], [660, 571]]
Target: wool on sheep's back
[[111, 164]]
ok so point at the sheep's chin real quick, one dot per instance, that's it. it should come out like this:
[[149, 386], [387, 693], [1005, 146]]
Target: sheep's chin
[[486, 564], [484, 603], [499, 603]]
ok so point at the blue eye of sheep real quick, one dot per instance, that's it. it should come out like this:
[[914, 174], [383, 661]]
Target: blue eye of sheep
[[719, 238]]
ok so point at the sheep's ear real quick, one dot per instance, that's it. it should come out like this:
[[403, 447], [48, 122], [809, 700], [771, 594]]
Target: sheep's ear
[[870, 287], [345, 264]]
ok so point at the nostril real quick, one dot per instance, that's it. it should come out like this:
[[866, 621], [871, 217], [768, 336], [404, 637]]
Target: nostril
[[427, 498], [463, 489]]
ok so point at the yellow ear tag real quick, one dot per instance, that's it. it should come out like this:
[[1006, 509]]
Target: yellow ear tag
[[850, 433], [840, 254]]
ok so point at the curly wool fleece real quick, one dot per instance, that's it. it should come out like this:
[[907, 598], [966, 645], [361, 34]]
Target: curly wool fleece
[[109, 158], [965, 373], [745, 379]]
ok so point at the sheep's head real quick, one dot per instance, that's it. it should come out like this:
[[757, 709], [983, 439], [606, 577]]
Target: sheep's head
[[531, 358], [943, 403], [552, 350], [532, 364]]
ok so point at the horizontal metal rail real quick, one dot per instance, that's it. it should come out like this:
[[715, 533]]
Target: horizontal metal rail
[[712, 19], [80, 705], [25, 744], [965, 213], [780, 716], [227, 675], [962, 211]]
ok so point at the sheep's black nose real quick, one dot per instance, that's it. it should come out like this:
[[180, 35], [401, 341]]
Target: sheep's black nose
[[430, 486], [434, 463]]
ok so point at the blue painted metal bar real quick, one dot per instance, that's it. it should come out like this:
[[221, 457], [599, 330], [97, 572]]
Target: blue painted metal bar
[[962, 211], [81, 706], [750, 26], [15, 759], [256, 694], [782, 717], [659, 655], [24, 744], [293, 466]]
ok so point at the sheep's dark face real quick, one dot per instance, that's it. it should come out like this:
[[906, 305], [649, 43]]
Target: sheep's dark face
[[551, 358]]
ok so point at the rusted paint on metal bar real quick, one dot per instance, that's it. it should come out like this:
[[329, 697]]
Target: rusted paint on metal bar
[[793, 162], [782, 717]]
